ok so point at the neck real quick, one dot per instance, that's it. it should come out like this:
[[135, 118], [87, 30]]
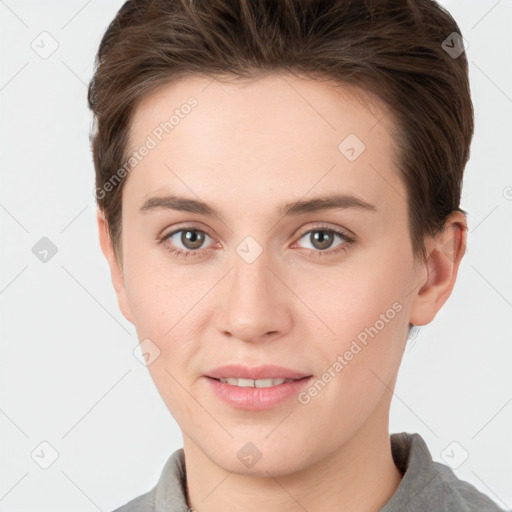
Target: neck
[[358, 476]]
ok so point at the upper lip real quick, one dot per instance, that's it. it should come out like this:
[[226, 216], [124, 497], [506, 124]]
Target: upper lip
[[255, 372]]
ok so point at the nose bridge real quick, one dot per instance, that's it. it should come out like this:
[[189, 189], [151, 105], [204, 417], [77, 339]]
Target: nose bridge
[[255, 305], [250, 273]]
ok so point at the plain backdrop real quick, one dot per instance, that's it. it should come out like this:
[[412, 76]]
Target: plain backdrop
[[69, 378]]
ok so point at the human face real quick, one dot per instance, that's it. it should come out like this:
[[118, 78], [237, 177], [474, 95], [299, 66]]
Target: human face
[[265, 287]]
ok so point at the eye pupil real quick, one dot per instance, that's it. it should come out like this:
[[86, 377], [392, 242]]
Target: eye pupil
[[192, 239], [321, 239]]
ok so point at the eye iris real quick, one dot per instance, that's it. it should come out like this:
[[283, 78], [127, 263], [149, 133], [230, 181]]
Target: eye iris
[[192, 239], [321, 239]]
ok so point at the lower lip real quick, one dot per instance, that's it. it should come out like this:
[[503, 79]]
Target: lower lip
[[257, 399]]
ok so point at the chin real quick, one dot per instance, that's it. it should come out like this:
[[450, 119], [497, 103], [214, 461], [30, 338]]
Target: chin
[[259, 458]]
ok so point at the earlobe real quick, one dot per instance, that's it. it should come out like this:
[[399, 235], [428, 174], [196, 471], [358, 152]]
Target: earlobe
[[116, 271], [445, 252]]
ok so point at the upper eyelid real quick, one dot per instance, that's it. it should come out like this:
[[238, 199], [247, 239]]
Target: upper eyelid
[[185, 228], [339, 230]]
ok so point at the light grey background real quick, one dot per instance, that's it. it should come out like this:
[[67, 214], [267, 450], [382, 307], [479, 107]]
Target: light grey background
[[68, 373]]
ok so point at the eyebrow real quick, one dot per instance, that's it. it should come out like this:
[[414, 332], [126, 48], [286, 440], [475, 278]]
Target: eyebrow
[[330, 202]]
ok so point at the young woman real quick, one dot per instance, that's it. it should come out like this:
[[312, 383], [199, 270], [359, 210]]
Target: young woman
[[278, 187]]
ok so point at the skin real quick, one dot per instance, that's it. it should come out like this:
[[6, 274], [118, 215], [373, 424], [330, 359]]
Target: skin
[[247, 148]]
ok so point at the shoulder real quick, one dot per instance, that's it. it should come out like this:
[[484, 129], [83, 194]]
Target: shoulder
[[459, 495], [168, 495], [428, 485]]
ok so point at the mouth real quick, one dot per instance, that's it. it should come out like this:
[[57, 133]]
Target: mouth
[[257, 394], [256, 387], [254, 376], [256, 383]]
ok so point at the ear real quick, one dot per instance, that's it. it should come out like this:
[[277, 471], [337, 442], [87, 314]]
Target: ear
[[116, 271], [439, 272]]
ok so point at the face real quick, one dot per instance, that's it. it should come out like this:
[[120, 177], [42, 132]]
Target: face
[[324, 292]]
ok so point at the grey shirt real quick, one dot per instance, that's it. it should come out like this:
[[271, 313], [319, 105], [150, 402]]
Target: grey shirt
[[426, 486]]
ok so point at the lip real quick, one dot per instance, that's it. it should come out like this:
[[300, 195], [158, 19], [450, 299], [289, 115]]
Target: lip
[[256, 399], [256, 372], [252, 398]]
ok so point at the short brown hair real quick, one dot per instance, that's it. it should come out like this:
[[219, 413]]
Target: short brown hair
[[391, 48]]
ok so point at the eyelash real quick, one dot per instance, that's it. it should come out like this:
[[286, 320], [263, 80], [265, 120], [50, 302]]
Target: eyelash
[[348, 240]]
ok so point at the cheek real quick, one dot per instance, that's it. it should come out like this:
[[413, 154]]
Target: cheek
[[167, 308], [360, 318], [361, 359], [160, 293], [342, 300], [162, 304]]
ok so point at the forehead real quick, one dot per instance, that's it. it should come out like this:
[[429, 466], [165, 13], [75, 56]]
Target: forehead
[[275, 133]]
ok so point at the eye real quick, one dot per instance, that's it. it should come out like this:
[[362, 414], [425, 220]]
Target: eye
[[322, 238], [186, 241]]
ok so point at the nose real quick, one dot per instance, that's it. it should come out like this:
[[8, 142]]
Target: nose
[[255, 304]]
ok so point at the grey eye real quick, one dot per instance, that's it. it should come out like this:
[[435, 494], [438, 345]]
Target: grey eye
[[191, 239], [321, 239]]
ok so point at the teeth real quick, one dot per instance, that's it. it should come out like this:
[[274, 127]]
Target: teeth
[[258, 383]]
